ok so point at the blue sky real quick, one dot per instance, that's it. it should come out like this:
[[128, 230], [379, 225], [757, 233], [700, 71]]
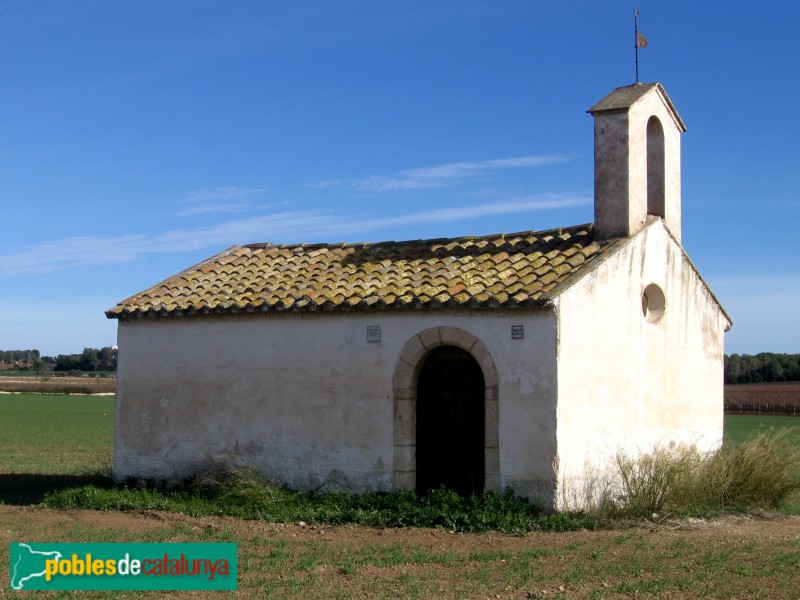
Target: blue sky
[[139, 138]]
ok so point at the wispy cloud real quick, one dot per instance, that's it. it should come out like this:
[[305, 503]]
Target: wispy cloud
[[462, 213], [438, 176], [290, 226], [222, 200]]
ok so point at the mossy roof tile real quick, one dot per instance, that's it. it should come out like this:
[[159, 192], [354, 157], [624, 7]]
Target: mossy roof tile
[[490, 271]]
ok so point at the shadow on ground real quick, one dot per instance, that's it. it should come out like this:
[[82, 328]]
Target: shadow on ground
[[24, 489]]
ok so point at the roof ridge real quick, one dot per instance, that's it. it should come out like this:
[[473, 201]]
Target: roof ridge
[[439, 240]]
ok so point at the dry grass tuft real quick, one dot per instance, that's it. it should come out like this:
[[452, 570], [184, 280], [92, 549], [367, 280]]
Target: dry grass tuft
[[757, 474]]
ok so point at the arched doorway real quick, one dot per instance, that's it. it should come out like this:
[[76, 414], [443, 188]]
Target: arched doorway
[[450, 422]]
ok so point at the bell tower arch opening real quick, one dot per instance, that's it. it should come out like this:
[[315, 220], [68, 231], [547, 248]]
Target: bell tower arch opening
[[656, 173]]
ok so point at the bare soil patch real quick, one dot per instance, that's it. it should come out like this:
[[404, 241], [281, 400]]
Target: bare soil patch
[[59, 385], [780, 398], [734, 557]]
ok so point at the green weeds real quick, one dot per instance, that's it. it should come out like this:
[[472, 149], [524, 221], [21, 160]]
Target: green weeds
[[244, 494], [760, 474], [57, 449]]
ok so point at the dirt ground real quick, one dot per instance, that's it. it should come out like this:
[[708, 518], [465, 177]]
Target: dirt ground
[[778, 398], [735, 557]]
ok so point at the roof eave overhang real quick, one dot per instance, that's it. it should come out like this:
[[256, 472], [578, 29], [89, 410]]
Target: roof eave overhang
[[311, 308]]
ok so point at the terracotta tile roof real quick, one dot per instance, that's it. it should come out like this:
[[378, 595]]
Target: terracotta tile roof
[[623, 97], [507, 270]]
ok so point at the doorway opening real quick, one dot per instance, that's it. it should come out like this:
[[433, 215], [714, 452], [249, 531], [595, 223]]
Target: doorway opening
[[450, 422]]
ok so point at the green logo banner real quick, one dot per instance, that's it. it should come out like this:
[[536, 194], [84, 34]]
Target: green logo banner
[[122, 566]]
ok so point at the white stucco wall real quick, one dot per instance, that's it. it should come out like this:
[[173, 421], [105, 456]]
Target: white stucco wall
[[625, 383], [308, 400]]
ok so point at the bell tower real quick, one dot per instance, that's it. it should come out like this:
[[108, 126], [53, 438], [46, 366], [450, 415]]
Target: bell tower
[[637, 160]]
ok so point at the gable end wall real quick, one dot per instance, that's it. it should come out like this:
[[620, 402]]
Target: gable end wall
[[628, 384]]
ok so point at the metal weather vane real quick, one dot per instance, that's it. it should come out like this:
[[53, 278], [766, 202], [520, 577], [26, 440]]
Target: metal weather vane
[[639, 40]]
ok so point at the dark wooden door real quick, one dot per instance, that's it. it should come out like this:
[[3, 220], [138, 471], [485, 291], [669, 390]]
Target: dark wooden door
[[450, 422]]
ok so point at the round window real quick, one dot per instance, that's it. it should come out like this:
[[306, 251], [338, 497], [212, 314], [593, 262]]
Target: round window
[[653, 303]]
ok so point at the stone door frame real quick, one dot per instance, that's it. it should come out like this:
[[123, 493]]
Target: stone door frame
[[404, 384]]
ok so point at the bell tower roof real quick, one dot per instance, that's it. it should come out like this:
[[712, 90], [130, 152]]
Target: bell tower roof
[[622, 98]]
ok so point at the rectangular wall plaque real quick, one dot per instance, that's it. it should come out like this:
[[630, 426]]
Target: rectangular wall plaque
[[517, 332], [373, 333]]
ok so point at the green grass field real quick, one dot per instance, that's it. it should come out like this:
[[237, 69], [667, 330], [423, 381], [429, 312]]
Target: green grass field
[[71, 434], [739, 428], [55, 434]]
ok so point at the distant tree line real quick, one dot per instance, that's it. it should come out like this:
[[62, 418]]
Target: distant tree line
[[18, 357], [762, 368], [90, 360]]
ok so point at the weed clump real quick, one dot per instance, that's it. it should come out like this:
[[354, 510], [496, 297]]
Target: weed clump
[[759, 474], [244, 493]]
